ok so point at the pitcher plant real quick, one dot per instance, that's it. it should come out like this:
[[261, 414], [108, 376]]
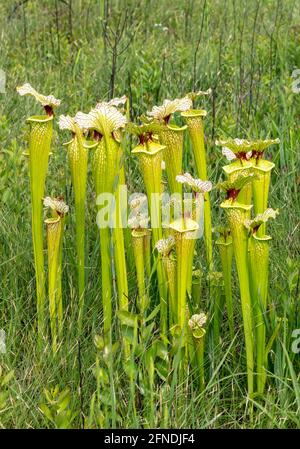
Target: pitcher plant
[[40, 138]]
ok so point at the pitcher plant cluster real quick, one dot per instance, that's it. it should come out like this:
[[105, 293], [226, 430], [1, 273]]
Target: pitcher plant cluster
[[164, 323]]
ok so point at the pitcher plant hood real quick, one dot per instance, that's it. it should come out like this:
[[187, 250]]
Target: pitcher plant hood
[[165, 246], [57, 205], [244, 148], [139, 221], [199, 93], [256, 222], [197, 185], [104, 119], [184, 225], [146, 133], [68, 123], [116, 102], [225, 237], [138, 202], [197, 324], [233, 187], [259, 146]]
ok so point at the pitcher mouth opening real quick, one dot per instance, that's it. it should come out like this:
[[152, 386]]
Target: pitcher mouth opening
[[97, 136], [167, 119], [40, 118], [49, 110], [194, 113], [243, 156], [146, 137]]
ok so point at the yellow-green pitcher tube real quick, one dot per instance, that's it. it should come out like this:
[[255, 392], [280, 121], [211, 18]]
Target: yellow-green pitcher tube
[[236, 169], [189, 264], [59, 300], [172, 137], [196, 215], [119, 246], [196, 286], [226, 254], [150, 164], [105, 121], [106, 280], [106, 167], [138, 236], [119, 253], [199, 343], [194, 121], [216, 286], [102, 183], [169, 264], [261, 185], [237, 214], [126, 230], [184, 233], [41, 130], [196, 325], [147, 254], [258, 266]]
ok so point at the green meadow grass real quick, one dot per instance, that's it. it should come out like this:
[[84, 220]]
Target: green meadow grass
[[149, 50]]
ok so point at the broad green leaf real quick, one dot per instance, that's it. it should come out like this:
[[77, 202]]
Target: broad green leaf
[[153, 314], [127, 318]]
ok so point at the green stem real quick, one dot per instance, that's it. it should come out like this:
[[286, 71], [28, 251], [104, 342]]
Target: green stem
[[54, 236], [182, 276], [208, 231], [216, 295], [150, 163], [245, 195], [237, 214], [226, 253], [126, 230], [138, 237], [105, 171], [194, 122], [120, 260], [147, 254], [189, 263], [236, 169], [196, 287], [169, 264], [106, 281], [184, 231], [261, 186], [258, 265], [78, 159], [199, 342], [172, 137], [59, 302]]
